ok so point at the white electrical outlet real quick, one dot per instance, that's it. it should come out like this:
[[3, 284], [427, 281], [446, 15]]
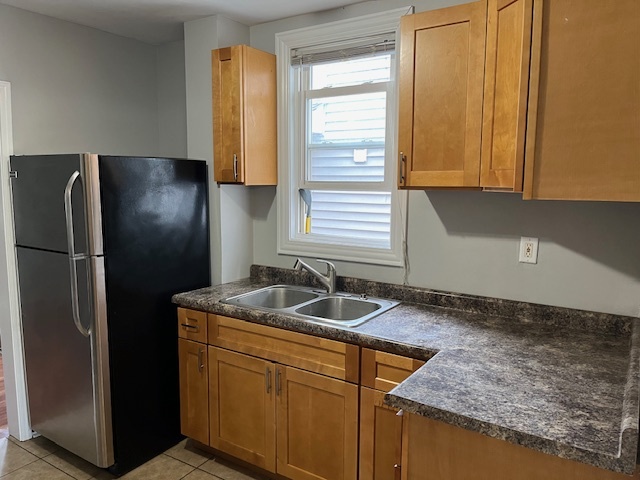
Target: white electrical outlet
[[528, 250]]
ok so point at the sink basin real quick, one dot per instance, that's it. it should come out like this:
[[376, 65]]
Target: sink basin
[[343, 309], [339, 308], [277, 297]]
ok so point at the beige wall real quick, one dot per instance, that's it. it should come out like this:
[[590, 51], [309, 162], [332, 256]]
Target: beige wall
[[172, 102], [77, 89], [229, 205]]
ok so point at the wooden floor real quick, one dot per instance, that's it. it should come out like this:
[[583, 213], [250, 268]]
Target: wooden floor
[[3, 404]]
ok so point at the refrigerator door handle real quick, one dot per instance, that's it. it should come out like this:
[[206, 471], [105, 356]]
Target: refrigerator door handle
[[73, 257]]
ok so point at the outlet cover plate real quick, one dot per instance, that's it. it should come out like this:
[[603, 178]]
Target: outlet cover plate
[[528, 250]]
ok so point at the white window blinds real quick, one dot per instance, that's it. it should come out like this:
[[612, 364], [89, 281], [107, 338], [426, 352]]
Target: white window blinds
[[327, 52]]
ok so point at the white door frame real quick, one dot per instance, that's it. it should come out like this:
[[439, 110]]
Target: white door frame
[[10, 324]]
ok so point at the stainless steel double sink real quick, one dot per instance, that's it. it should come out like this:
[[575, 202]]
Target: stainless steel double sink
[[314, 305]]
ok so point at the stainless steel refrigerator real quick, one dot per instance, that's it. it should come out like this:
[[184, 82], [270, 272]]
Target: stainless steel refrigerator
[[102, 243]]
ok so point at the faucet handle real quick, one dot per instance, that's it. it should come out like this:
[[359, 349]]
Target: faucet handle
[[331, 276], [330, 266]]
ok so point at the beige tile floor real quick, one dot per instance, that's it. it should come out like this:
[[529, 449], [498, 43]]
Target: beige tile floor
[[40, 459]]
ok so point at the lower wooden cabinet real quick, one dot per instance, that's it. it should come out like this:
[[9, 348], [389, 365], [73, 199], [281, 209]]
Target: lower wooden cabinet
[[317, 426], [315, 417], [380, 425], [194, 394], [380, 437], [242, 395], [434, 450], [303, 425], [242, 407]]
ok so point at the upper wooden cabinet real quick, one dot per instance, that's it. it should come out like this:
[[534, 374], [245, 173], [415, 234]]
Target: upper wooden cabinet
[[464, 77], [506, 89], [559, 87], [440, 111], [583, 137], [244, 116]]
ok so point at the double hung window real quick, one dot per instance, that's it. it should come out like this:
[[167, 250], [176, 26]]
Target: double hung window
[[337, 129]]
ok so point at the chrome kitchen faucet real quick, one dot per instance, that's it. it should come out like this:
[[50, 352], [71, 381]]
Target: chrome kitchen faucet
[[328, 280]]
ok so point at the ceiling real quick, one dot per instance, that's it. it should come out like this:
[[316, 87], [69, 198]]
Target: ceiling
[[160, 21]]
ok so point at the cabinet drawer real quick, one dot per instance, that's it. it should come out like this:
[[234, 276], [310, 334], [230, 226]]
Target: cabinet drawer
[[192, 325], [320, 355], [384, 371]]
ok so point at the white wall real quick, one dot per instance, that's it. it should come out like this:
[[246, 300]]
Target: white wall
[[231, 223], [172, 106], [468, 241], [76, 88]]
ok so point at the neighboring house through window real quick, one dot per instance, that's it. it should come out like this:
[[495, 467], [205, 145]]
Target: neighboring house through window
[[337, 118]]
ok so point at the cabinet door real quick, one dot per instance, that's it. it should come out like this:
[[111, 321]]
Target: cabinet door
[[194, 390], [506, 91], [441, 83], [227, 77], [434, 450], [583, 131], [242, 407], [380, 437], [317, 426]]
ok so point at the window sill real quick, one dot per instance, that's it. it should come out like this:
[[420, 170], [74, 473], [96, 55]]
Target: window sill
[[357, 254]]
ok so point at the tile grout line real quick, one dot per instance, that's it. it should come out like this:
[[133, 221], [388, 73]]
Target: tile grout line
[[17, 444], [186, 463], [67, 474], [25, 465], [28, 463]]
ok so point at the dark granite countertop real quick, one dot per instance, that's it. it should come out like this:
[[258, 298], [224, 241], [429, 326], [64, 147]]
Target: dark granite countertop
[[560, 381]]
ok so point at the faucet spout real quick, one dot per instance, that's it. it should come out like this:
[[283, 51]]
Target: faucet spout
[[328, 280]]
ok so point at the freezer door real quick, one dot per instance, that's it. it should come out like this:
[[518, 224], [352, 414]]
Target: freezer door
[[38, 202], [67, 373]]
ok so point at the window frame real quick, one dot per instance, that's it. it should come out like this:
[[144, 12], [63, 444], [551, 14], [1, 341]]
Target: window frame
[[291, 174]]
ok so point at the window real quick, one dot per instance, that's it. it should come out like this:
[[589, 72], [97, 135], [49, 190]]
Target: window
[[337, 130]]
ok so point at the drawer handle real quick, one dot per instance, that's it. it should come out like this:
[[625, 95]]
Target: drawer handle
[[195, 328], [267, 375], [200, 359], [398, 471]]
